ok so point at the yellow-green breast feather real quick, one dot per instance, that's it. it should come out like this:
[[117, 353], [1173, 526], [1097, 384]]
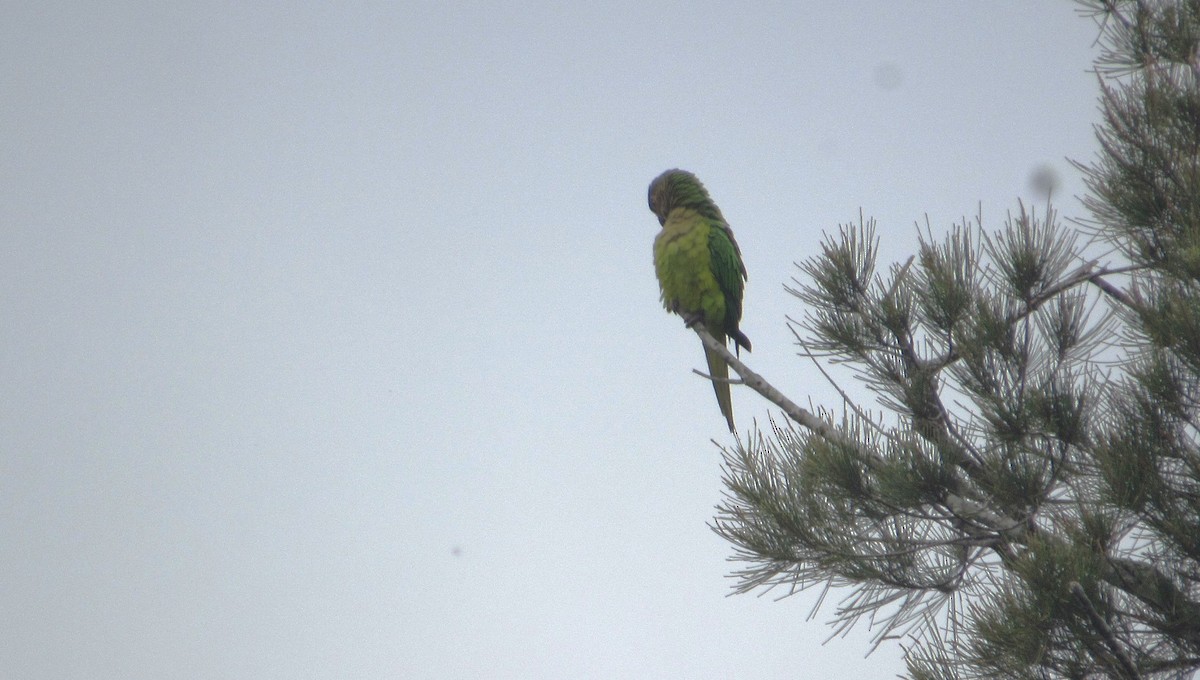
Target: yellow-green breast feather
[[684, 263]]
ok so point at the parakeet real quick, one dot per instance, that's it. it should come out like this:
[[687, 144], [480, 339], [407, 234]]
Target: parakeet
[[699, 266]]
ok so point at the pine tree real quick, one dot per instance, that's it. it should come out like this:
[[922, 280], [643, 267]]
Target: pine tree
[[1028, 505]]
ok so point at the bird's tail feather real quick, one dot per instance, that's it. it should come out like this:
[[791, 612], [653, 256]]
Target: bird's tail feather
[[739, 340], [718, 369]]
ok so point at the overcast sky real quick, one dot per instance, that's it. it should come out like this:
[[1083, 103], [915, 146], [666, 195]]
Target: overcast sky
[[330, 344]]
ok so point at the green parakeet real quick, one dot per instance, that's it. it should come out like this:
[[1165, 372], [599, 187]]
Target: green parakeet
[[699, 267]]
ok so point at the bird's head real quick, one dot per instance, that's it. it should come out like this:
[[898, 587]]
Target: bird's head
[[672, 189]]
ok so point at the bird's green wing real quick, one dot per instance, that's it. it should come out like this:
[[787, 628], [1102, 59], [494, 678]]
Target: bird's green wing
[[729, 272]]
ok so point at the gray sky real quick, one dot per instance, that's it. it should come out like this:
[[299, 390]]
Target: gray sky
[[331, 345]]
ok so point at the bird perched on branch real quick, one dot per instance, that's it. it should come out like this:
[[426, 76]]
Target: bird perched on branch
[[699, 266]]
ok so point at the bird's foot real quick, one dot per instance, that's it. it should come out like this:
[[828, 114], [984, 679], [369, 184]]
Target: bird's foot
[[690, 320]]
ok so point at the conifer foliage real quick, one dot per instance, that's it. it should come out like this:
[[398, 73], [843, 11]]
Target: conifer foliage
[[1027, 504]]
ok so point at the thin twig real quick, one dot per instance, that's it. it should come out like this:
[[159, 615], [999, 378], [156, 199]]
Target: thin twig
[[1101, 626], [731, 381], [863, 416]]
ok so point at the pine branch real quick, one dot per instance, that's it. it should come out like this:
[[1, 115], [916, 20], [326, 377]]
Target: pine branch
[[757, 383], [987, 526]]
